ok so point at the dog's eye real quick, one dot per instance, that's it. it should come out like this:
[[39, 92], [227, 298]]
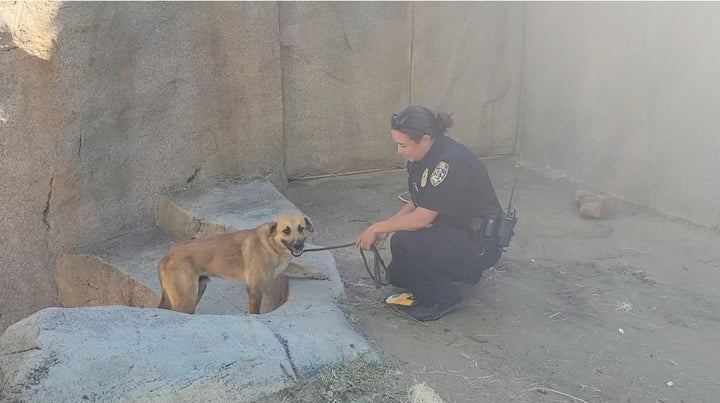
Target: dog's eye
[[287, 231], [301, 229]]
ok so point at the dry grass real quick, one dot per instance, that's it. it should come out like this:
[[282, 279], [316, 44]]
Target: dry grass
[[363, 380], [623, 306]]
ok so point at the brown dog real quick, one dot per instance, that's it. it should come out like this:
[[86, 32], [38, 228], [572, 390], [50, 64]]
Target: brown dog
[[257, 257]]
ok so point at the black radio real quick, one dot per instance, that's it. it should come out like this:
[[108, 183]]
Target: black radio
[[504, 228], [498, 229], [506, 224]]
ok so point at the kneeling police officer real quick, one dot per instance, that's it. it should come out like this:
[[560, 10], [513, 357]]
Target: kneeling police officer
[[447, 232]]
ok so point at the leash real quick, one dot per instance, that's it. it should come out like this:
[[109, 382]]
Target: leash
[[378, 276]]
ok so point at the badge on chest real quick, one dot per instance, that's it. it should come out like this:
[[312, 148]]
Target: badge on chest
[[423, 179]]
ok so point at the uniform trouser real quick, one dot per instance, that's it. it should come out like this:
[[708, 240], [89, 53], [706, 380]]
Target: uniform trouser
[[427, 261]]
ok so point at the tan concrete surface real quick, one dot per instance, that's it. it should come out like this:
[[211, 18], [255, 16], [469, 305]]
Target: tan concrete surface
[[605, 310]]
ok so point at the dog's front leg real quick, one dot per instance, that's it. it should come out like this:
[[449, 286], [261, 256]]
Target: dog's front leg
[[297, 268], [254, 299]]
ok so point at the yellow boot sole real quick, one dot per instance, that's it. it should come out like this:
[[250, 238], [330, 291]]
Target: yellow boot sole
[[402, 299]]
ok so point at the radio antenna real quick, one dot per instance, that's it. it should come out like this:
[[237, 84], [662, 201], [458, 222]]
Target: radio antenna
[[511, 195]]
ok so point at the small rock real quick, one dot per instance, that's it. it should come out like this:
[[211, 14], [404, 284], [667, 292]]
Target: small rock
[[421, 393], [595, 205]]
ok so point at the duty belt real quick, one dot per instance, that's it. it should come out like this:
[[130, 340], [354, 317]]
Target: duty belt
[[486, 226], [476, 224]]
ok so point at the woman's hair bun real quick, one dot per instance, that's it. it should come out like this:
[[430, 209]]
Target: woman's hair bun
[[444, 120]]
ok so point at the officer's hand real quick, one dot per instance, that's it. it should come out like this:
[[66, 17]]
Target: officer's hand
[[380, 240], [367, 238]]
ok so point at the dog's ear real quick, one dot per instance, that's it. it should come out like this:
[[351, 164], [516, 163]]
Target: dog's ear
[[309, 225], [273, 227]]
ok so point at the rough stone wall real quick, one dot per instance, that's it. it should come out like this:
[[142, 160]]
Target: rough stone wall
[[623, 97], [27, 152], [127, 100]]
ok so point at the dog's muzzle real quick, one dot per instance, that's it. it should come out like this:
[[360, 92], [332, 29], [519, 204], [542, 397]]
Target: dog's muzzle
[[295, 247]]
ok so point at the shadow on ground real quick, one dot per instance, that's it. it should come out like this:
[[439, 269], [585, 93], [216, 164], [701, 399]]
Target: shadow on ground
[[620, 309]]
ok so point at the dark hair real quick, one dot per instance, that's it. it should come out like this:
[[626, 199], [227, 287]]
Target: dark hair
[[416, 121]]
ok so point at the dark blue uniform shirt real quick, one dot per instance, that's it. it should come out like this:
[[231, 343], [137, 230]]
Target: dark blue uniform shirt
[[452, 181]]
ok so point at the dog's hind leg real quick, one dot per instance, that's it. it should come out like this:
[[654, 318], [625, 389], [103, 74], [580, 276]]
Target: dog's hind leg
[[188, 286], [180, 287]]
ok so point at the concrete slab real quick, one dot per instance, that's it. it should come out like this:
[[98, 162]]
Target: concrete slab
[[129, 354], [119, 353], [120, 271], [216, 208], [123, 354]]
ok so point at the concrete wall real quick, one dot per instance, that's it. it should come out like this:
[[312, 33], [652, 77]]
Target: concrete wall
[[345, 67], [623, 96], [467, 60], [348, 66]]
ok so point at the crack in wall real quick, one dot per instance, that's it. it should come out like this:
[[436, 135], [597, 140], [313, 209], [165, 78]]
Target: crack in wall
[[282, 56], [519, 130], [193, 176], [46, 212], [22, 351], [412, 42], [503, 93], [338, 17], [347, 40]]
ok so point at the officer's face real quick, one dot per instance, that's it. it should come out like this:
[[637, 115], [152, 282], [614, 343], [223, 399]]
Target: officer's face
[[409, 149]]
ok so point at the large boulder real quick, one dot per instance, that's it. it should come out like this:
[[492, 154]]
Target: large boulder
[[116, 353]]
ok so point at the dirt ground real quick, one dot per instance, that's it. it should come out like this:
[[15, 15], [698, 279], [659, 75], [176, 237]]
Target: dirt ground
[[624, 309]]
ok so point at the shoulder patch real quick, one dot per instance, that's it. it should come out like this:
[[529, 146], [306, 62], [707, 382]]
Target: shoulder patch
[[440, 173]]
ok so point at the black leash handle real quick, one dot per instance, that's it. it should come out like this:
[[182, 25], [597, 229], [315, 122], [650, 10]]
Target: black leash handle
[[329, 247], [378, 276]]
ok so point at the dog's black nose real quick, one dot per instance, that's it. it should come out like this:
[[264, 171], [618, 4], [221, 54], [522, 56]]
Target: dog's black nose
[[298, 245]]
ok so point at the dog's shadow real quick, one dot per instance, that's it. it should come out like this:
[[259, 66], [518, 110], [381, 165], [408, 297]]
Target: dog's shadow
[[227, 297]]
